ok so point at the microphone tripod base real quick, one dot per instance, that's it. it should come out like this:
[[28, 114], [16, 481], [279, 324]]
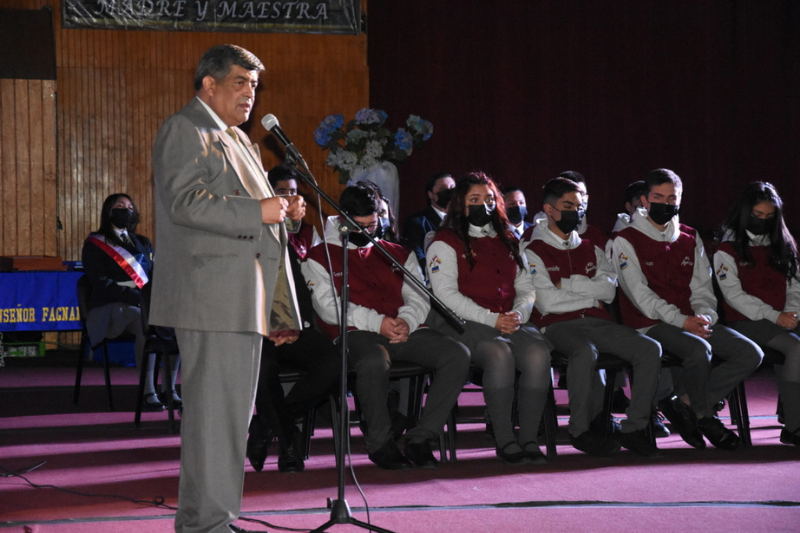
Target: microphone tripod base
[[340, 514]]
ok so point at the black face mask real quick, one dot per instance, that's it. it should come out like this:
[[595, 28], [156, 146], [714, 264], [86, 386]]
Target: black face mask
[[121, 217], [570, 220], [480, 215], [760, 226], [662, 213], [516, 214], [360, 239], [443, 197]]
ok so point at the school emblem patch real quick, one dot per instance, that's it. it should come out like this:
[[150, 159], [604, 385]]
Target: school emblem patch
[[434, 264]]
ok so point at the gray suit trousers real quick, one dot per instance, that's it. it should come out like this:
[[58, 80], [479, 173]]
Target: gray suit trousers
[[219, 375]]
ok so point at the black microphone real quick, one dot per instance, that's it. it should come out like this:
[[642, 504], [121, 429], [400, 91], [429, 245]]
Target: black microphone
[[270, 123]]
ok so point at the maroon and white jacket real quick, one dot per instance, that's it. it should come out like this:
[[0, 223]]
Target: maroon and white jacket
[[754, 291], [581, 268], [665, 276]]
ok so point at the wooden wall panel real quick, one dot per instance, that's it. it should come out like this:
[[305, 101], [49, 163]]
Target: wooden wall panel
[[116, 87], [28, 168]]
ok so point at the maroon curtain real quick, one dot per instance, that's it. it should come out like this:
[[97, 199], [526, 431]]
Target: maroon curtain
[[610, 88]]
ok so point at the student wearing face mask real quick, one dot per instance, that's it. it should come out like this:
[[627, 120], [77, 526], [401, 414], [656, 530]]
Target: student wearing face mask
[[386, 321], [516, 211], [573, 281], [667, 293], [475, 267], [119, 263], [416, 226], [756, 268]]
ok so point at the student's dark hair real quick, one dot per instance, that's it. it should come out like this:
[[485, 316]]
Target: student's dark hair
[[456, 220], [281, 173], [359, 200], [512, 188], [391, 234], [573, 175], [554, 189], [433, 179], [784, 249], [660, 176], [107, 228], [218, 60], [634, 191]]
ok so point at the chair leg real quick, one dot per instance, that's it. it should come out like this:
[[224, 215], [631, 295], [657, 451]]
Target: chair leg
[[107, 373], [550, 423], [608, 399], [744, 417], [79, 373], [335, 414], [167, 376], [140, 392]]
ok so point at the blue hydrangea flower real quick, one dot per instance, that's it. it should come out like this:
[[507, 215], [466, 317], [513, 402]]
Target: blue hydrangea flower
[[331, 123], [403, 140], [368, 116]]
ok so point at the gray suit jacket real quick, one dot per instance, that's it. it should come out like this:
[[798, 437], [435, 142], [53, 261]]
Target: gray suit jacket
[[217, 263]]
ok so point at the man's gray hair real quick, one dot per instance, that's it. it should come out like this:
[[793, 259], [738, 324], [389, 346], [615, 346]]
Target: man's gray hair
[[218, 60]]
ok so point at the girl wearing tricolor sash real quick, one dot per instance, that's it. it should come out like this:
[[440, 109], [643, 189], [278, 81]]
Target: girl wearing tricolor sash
[[119, 263]]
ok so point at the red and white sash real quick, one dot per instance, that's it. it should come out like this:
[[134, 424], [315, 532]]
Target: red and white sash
[[123, 258]]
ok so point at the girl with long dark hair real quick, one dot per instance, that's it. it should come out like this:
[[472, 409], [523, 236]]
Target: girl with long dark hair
[[119, 263], [475, 267], [756, 268]]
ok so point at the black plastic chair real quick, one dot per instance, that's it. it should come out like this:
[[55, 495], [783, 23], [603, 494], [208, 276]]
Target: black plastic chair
[[161, 344], [84, 294]]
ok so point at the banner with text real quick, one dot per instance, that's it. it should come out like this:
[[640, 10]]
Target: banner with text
[[39, 301], [321, 16]]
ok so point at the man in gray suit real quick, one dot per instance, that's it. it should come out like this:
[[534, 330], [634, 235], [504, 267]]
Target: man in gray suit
[[223, 280]]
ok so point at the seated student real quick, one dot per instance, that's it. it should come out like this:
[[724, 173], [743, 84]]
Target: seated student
[[415, 227], [386, 322], [475, 267], [756, 267], [302, 236], [119, 263], [667, 294], [573, 280], [632, 197], [516, 211], [585, 230], [312, 352]]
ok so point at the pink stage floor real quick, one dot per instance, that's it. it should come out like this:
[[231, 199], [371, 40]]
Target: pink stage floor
[[114, 470]]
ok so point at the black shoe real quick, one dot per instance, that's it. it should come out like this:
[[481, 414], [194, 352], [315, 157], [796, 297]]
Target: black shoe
[[660, 431], [389, 457], [717, 434], [258, 443], [420, 454], [684, 420], [619, 402], [790, 438], [639, 442], [514, 458], [291, 459], [152, 403], [602, 426], [594, 444], [177, 403], [533, 453]]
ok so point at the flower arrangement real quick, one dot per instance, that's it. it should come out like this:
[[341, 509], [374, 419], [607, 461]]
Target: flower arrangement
[[364, 142]]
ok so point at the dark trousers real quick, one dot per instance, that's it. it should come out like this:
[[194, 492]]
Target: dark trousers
[[313, 353], [371, 356]]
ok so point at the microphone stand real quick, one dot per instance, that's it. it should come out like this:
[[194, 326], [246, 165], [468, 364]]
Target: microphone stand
[[340, 510]]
